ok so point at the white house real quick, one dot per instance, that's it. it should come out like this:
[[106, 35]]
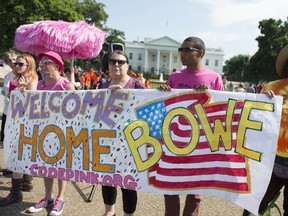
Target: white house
[[161, 56]]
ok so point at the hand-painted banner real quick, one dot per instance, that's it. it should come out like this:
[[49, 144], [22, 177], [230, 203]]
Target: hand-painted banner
[[177, 142]]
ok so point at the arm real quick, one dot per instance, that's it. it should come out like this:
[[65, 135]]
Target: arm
[[70, 86], [33, 85], [26, 83], [72, 70]]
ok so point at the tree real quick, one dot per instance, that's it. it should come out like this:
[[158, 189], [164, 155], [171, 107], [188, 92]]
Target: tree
[[93, 12], [274, 34], [235, 68], [14, 13]]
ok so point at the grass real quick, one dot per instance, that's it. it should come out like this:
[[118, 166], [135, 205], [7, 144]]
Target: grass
[[155, 84]]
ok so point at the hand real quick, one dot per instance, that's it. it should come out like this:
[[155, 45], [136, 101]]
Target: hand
[[270, 94], [201, 87], [113, 88], [164, 87], [23, 81], [72, 70]]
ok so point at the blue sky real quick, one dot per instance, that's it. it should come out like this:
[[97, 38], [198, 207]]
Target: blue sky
[[228, 24]]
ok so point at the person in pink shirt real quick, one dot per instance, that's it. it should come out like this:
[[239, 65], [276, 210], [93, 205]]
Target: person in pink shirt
[[51, 65], [197, 77], [25, 79]]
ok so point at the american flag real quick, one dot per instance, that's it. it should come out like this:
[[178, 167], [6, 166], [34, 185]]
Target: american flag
[[222, 169]]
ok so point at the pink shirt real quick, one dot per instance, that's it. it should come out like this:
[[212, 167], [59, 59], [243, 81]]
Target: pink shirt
[[59, 84], [184, 79]]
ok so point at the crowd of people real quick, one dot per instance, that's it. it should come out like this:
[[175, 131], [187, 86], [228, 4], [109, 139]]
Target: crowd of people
[[91, 79], [240, 87], [51, 76]]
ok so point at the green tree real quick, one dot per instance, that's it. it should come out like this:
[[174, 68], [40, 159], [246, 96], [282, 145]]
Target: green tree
[[274, 33], [14, 13], [235, 68], [93, 12]]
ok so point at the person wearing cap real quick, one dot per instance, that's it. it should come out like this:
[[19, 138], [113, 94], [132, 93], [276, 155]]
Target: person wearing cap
[[51, 65], [197, 77], [25, 78], [279, 178]]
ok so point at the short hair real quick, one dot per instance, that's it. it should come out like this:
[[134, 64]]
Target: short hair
[[120, 52], [7, 54], [197, 42]]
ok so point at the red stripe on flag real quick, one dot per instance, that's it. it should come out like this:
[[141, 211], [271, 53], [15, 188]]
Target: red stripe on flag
[[203, 158], [201, 184], [188, 133], [241, 172], [199, 97]]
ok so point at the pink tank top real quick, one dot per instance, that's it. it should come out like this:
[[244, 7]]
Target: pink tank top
[[59, 84]]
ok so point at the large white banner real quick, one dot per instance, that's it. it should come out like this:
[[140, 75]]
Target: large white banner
[[178, 142]]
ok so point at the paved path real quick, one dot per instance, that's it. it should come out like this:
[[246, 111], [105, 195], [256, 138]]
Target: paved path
[[76, 195]]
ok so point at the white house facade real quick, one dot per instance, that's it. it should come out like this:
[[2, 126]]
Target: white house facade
[[161, 56]]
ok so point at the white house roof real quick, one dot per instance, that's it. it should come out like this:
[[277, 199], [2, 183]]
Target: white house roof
[[164, 41]]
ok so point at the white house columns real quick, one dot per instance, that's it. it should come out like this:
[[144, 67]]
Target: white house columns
[[170, 61], [146, 60], [158, 62]]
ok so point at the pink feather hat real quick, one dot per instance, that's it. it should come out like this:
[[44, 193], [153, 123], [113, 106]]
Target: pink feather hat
[[54, 56]]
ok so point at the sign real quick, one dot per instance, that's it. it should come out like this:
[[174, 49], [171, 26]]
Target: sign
[[178, 142]]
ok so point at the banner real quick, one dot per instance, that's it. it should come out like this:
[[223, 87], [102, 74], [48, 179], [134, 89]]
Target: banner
[[178, 142]]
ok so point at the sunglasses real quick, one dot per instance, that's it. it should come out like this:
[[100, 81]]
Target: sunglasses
[[45, 62], [187, 49], [114, 61], [19, 64]]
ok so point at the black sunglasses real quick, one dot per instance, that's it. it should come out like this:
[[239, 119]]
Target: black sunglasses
[[188, 49], [19, 64], [119, 62]]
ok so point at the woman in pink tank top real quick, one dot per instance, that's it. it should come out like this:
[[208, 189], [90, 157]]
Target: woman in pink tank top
[[51, 65], [25, 79]]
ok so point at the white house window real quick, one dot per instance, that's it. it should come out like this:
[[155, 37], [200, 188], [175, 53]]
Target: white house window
[[153, 58], [175, 60], [139, 56], [139, 68], [164, 58], [207, 62], [216, 63], [130, 55]]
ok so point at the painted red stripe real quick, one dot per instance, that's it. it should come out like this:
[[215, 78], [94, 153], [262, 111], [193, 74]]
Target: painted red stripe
[[188, 133], [200, 184], [200, 97], [241, 172], [211, 119], [202, 158], [200, 145], [203, 145], [221, 107]]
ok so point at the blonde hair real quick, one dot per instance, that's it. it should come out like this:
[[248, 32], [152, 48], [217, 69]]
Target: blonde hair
[[31, 67]]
